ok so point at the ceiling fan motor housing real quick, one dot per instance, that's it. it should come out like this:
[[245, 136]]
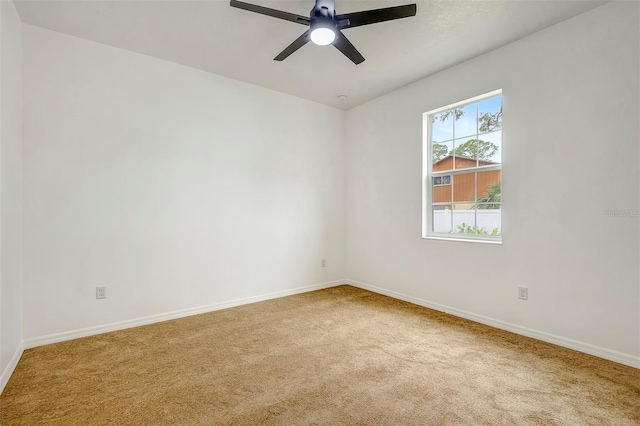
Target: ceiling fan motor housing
[[323, 9], [322, 15]]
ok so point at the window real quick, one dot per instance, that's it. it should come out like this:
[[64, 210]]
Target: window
[[442, 180], [462, 163]]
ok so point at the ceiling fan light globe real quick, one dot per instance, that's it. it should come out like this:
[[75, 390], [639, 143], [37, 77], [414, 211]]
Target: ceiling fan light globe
[[323, 36]]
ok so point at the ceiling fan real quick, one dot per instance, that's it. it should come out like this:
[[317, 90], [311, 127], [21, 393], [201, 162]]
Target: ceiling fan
[[325, 25]]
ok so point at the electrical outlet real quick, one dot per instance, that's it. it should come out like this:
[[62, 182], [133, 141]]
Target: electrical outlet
[[323, 263], [101, 292], [523, 293]]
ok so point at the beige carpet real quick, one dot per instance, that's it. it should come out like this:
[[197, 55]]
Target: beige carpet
[[341, 356]]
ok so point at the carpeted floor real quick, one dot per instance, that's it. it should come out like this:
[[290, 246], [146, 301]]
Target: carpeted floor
[[341, 356]]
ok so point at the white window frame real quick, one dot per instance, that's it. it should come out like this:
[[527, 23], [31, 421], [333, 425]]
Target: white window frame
[[428, 174]]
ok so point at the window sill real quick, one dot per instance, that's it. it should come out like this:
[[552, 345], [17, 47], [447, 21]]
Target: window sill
[[466, 240]]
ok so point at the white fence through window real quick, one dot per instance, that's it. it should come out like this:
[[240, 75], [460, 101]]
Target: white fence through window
[[487, 220]]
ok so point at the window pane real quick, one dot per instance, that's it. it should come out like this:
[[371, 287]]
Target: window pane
[[464, 219], [489, 219], [442, 126], [466, 122], [441, 193], [490, 148], [442, 219], [488, 206], [490, 115], [464, 188], [466, 150], [441, 159], [489, 187]]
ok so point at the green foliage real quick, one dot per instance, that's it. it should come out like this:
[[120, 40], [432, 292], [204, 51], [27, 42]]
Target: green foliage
[[490, 122], [457, 112], [473, 148], [494, 195], [477, 148], [439, 151], [465, 228]]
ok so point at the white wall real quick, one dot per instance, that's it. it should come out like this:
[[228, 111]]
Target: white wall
[[176, 188], [10, 190], [571, 137], [173, 187]]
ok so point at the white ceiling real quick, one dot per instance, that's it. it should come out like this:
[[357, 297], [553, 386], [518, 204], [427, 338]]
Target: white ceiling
[[212, 36]]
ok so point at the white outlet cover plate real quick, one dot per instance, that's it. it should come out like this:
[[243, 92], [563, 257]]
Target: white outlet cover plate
[[101, 292], [523, 293]]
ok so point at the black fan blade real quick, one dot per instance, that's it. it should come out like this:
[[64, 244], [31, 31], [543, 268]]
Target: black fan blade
[[344, 45], [271, 12], [356, 19], [297, 44]]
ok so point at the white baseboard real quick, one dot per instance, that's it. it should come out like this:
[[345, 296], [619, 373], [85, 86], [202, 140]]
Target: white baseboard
[[121, 325], [604, 353], [13, 363], [619, 357]]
